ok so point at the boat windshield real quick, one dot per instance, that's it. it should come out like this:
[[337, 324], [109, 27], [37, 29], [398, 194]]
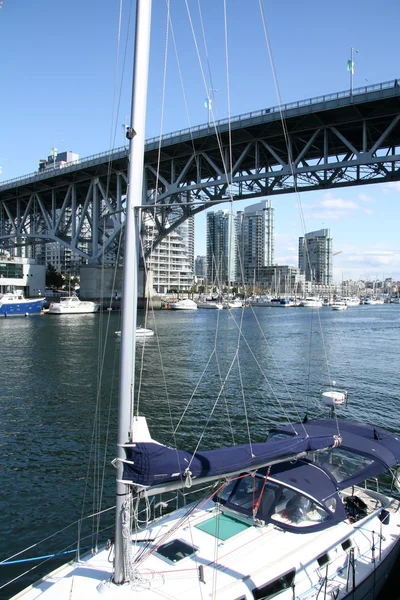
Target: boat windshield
[[271, 501], [343, 464]]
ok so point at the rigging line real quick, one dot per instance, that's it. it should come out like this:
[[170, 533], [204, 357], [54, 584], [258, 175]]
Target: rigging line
[[107, 432], [264, 375], [282, 117], [95, 444], [162, 539], [217, 134], [239, 256], [213, 353], [229, 99], [193, 393], [212, 410], [240, 379], [207, 54], [286, 135], [141, 370], [290, 157], [99, 478], [115, 111], [153, 223], [164, 379]]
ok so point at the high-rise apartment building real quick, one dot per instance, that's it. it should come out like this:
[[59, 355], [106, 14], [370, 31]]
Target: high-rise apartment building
[[172, 261], [255, 235], [221, 247], [315, 257], [200, 266]]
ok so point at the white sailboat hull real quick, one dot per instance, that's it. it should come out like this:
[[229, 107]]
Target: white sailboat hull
[[236, 567]]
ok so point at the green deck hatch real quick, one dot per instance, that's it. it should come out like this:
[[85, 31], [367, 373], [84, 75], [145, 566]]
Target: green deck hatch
[[222, 526]]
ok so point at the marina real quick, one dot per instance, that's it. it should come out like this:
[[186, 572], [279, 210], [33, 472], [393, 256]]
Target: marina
[[243, 454], [52, 411]]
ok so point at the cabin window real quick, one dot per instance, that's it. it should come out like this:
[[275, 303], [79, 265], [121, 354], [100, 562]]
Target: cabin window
[[346, 544], [176, 550], [245, 493], [270, 590], [343, 464], [323, 559]]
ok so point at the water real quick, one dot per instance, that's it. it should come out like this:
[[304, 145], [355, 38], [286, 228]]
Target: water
[[49, 395]]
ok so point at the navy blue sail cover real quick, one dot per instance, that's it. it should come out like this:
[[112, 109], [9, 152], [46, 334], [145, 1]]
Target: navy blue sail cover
[[149, 463], [380, 446]]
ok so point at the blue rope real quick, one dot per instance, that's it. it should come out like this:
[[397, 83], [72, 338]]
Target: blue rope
[[55, 555]]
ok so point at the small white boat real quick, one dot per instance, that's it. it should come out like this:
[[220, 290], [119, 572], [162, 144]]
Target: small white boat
[[72, 305], [210, 304], [311, 302], [339, 305], [185, 304], [141, 332], [352, 301], [372, 300], [236, 303], [13, 304]]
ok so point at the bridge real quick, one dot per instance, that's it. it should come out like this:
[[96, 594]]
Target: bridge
[[327, 142]]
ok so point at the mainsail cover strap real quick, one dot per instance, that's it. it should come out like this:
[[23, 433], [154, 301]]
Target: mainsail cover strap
[[152, 464]]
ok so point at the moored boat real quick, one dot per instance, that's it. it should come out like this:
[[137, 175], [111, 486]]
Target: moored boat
[[72, 305], [185, 304], [232, 303], [339, 305], [210, 304], [311, 302], [13, 304], [352, 301]]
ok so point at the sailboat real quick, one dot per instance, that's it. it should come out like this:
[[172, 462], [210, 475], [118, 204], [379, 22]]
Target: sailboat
[[288, 518]]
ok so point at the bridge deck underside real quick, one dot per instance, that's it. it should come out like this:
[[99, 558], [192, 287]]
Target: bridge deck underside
[[336, 144]]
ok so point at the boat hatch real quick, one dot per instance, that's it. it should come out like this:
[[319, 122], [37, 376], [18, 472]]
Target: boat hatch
[[270, 590], [223, 526], [176, 550]]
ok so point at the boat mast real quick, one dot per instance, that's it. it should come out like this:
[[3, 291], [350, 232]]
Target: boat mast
[[136, 136]]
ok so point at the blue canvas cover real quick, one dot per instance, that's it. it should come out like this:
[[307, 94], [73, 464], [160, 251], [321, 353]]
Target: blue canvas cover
[[306, 477], [149, 463], [380, 446]]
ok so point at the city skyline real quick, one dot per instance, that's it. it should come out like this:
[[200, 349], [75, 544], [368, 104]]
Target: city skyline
[[78, 99], [362, 223]]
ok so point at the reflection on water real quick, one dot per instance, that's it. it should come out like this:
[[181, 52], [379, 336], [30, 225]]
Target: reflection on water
[[49, 395]]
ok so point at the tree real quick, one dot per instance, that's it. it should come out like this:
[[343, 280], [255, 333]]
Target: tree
[[54, 279]]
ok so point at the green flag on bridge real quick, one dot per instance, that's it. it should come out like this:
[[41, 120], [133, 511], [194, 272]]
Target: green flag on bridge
[[350, 66]]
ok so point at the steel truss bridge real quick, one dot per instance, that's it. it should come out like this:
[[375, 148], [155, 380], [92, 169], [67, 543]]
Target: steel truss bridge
[[321, 143]]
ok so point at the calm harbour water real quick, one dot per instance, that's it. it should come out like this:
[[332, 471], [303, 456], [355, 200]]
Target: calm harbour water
[[49, 394]]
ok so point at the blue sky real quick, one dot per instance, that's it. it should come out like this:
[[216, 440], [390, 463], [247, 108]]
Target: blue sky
[[61, 81]]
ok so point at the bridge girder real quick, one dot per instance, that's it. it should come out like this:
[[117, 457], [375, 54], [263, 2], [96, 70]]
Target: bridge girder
[[319, 145]]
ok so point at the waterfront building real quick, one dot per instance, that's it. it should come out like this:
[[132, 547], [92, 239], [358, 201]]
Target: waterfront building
[[281, 280], [21, 275], [221, 248], [255, 240], [172, 261], [200, 266], [315, 257]]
